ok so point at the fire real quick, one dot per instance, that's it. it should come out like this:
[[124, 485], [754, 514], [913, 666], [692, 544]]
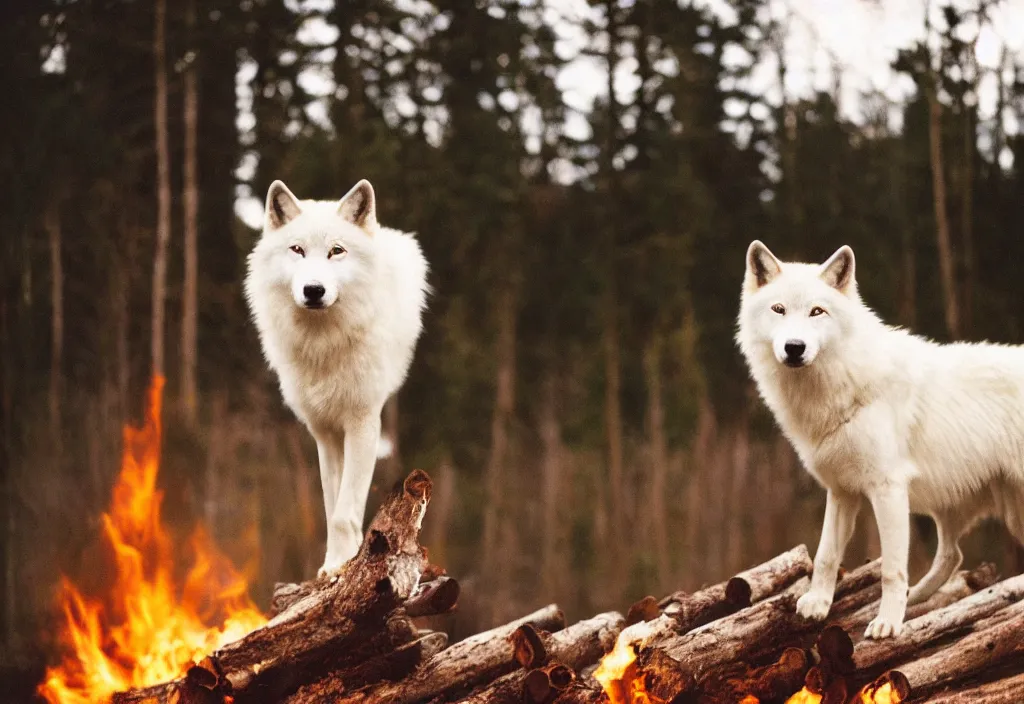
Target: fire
[[612, 670], [618, 677], [148, 629], [885, 693]]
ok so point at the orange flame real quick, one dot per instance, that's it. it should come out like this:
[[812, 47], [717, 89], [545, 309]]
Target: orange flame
[[617, 675], [147, 630], [884, 694]]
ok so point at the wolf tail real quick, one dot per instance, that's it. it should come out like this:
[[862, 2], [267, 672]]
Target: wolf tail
[[384, 447]]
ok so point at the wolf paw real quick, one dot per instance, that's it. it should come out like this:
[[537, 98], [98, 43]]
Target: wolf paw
[[881, 628], [330, 568], [814, 606]]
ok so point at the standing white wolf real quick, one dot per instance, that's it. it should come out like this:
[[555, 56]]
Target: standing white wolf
[[338, 301], [877, 413]]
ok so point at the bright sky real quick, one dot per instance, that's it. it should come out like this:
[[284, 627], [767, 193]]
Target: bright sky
[[860, 36]]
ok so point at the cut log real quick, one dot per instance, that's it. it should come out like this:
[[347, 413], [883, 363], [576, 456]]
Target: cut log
[[574, 648], [927, 629], [857, 579], [345, 625], [1009, 690], [962, 585], [387, 666], [478, 659], [767, 579], [771, 623], [994, 639], [683, 611]]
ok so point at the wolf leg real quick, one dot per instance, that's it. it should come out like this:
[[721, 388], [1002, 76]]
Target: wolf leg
[[948, 557], [329, 452], [892, 513], [346, 522], [841, 510]]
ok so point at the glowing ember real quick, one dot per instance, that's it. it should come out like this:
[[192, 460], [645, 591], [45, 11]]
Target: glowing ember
[[750, 699], [148, 629], [885, 694], [804, 696]]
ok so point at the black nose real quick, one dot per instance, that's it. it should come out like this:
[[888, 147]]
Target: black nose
[[795, 349], [314, 293]]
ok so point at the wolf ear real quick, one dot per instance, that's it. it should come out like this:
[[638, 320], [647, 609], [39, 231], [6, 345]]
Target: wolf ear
[[282, 206], [762, 266], [359, 206], [838, 271]]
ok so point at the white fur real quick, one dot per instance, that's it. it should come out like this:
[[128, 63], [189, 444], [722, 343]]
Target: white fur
[[339, 363], [879, 414]]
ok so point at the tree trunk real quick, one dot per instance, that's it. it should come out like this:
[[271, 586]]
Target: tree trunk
[[10, 614], [163, 176], [492, 560], [967, 218], [947, 269], [610, 332], [659, 460], [553, 565], [51, 221], [190, 198]]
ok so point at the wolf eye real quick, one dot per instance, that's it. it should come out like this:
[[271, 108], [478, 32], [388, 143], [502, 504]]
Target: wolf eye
[[298, 250], [816, 311], [779, 308], [336, 251]]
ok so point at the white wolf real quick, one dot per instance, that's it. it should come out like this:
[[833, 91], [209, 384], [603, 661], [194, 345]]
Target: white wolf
[[338, 302], [877, 413]]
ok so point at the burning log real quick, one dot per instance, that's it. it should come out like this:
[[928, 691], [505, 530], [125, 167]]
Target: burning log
[[351, 625], [682, 612]]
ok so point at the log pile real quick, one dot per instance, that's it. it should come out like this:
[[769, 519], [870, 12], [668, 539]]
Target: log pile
[[965, 644], [353, 639]]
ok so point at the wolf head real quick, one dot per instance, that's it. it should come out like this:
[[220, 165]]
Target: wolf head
[[315, 249], [796, 310]]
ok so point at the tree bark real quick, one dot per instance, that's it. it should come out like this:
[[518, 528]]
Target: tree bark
[[51, 221], [190, 203], [163, 179]]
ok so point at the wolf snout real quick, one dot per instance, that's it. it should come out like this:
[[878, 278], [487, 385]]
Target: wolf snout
[[794, 352], [314, 294]]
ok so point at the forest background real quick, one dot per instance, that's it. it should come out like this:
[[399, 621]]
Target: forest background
[[577, 395]]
